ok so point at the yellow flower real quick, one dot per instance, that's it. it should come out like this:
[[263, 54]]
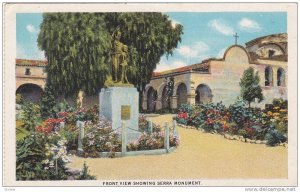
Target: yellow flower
[[283, 110], [276, 107]]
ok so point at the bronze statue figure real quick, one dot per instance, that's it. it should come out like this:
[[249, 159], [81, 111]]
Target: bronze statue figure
[[119, 59]]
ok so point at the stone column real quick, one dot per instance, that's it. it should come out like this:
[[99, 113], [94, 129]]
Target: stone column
[[174, 101], [191, 99], [191, 93], [158, 105], [144, 102], [80, 126], [167, 137], [124, 142], [274, 73], [150, 127], [175, 129]]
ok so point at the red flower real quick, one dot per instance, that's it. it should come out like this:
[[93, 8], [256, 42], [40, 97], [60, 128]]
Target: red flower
[[225, 127], [63, 114], [209, 121]]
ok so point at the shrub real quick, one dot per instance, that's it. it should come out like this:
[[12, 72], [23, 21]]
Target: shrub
[[232, 128], [242, 132], [48, 103], [19, 99], [274, 137], [211, 117], [41, 158], [100, 137], [143, 123], [30, 116], [152, 141], [239, 113], [71, 134], [85, 174]]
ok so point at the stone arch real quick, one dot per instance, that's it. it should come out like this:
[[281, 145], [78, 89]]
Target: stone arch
[[203, 94], [151, 99], [280, 77], [275, 45], [181, 92], [268, 76], [30, 92], [161, 88]]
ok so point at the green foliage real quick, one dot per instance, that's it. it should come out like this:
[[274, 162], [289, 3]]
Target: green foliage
[[250, 88], [19, 99], [274, 137], [78, 47], [31, 152], [71, 135], [63, 106], [208, 116], [85, 174], [252, 123], [48, 103], [151, 35], [239, 113], [20, 133], [242, 132], [30, 116]]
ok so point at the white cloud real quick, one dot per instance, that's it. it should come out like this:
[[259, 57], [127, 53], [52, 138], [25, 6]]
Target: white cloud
[[220, 26], [163, 66], [174, 23], [249, 25], [187, 51], [193, 51], [31, 28]]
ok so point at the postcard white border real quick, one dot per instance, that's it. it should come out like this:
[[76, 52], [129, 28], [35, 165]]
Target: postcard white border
[[9, 53]]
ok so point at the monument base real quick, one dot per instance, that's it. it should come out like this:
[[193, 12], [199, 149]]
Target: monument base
[[121, 104]]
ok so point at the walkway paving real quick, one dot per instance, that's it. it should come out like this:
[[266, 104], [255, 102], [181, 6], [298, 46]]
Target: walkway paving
[[200, 156]]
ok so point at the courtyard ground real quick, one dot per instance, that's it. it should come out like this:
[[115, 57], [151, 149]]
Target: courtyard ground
[[199, 156]]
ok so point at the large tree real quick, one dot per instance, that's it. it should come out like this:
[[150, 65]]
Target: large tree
[[78, 47], [250, 88]]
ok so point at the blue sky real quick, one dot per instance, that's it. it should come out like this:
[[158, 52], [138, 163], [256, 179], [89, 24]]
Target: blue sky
[[206, 34]]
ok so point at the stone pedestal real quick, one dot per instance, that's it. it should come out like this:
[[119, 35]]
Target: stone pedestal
[[120, 104]]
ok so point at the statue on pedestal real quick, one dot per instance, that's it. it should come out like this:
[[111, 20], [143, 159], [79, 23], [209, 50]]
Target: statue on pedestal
[[119, 62]]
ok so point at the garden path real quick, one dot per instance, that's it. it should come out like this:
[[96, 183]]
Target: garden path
[[199, 156]]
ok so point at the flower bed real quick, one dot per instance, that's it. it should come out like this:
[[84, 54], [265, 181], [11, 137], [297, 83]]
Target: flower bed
[[237, 119], [101, 138], [42, 153]]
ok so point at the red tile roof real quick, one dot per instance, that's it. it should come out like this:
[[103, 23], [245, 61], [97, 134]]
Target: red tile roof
[[27, 62], [203, 67]]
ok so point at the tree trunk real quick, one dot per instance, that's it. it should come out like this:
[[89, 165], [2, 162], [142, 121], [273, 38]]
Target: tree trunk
[[249, 104]]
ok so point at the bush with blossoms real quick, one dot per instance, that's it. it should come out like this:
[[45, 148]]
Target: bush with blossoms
[[42, 153], [42, 156], [150, 141], [238, 119], [100, 137]]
